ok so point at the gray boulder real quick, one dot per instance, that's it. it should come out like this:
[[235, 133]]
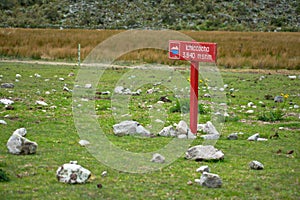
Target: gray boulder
[[21, 131], [72, 173], [7, 85], [204, 152], [182, 128], [209, 180], [18, 144], [210, 130], [130, 128], [256, 165], [157, 158]]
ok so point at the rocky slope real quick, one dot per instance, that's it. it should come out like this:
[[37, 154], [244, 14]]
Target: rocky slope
[[257, 15]]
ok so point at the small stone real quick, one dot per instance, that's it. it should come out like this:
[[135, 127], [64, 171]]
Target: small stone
[[104, 174], [210, 180], [182, 136], [250, 111], [3, 122], [18, 76], [296, 106], [71, 74], [250, 104], [189, 182], [278, 99], [232, 136], [84, 142], [182, 128], [203, 168], [88, 86], [157, 158], [42, 103], [7, 85], [256, 165], [292, 77], [61, 79], [168, 131], [253, 137], [6, 101], [37, 75], [262, 139]]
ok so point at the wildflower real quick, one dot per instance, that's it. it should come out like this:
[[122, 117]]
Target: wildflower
[[200, 81], [189, 80], [286, 96]]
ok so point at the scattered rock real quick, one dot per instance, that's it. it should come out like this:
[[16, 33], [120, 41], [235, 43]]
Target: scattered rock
[[207, 95], [84, 142], [203, 168], [61, 79], [157, 158], [250, 111], [253, 137], [104, 174], [126, 91], [7, 85], [296, 106], [17, 144], [256, 165], [209, 180], [204, 152], [189, 182], [250, 104], [165, 99], [6, 101], [37, 75], [130, 128], [278, 99], [71, 74], [72, 173], [182, 128], [42, 103], [3, 122], [292, 77], [182, 136], [210, 130], [88, 86], [18, 75], [167, 131], [232, 136], [262, 139]]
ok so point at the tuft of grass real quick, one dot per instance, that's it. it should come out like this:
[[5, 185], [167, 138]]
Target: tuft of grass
[[271, 116]]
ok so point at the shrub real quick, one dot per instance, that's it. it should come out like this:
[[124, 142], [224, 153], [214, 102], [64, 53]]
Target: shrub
[[271, 116], [3, 176], [184, 107]]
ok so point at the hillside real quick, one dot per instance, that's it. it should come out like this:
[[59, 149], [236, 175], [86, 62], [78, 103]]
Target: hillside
[[258, 15]]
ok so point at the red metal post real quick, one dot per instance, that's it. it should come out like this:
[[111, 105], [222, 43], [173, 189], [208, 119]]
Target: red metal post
[[194, 77]]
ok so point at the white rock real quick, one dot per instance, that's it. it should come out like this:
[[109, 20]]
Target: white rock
[[250, 111], [296, 106], [203, 168], [157, 158], [6, 101], [104, 174], [191, 135], [72, 173], [88, 86], [130, 128], [208, 128], [207, 95], [182, 128], [204, 152], [253, 137], [84, 142], [292, 77], [42, 103], [159, 121], [21, 131], [150, 91], [210, 180], [17, 80], [17, 144], [61, 79], [256, 165], [37, 75], [182, 136], [47, 92], [3, 122], [167, 131], [262, 139], [18, 76], [250, 104]]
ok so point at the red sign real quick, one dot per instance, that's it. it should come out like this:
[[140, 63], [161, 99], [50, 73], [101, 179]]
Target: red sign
[[193, 51]]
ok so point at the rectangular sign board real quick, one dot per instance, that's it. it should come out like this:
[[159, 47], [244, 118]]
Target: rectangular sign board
[[193, 51]]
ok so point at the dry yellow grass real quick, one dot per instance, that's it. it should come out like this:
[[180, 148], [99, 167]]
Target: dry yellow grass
[[235, 49]]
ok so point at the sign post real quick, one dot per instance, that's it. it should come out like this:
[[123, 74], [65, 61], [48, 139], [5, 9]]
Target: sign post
[[194, 52]]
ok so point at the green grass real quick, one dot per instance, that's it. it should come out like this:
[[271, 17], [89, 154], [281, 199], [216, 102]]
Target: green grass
[[33, 176]]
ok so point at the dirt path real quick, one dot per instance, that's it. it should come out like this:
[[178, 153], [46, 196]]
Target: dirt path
[[254, 71]]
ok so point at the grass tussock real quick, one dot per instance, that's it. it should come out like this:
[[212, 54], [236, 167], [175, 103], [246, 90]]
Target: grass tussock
[[235, 49]]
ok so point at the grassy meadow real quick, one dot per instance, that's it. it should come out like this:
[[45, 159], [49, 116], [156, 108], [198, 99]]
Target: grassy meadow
[[258, 50], [53, 128]]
